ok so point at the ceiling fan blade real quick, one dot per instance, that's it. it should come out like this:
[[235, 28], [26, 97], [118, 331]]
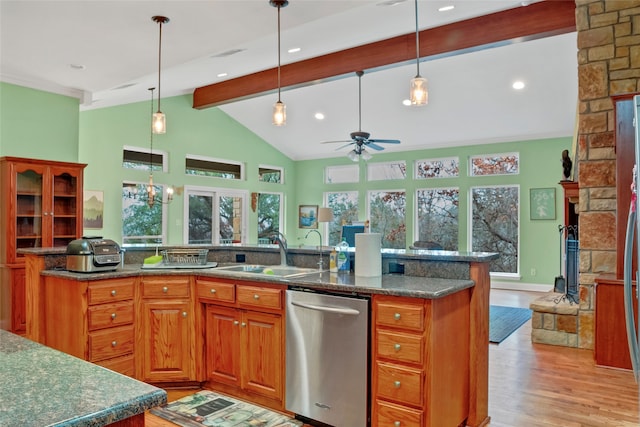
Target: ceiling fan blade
[[385, 141], [374, 146], [346, 145], [335, 142]]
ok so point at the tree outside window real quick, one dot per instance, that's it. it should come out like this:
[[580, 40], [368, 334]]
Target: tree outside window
[[345, 211], [387, 217], [438, 216], [141, 224], [269, 214]]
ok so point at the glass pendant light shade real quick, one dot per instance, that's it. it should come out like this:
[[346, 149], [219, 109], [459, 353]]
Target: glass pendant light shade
[[279, 113], [159, 123], [353, 155], [419, 92], [365, 154]]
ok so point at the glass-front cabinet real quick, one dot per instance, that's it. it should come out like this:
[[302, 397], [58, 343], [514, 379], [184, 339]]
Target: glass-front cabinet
[[40, 207]]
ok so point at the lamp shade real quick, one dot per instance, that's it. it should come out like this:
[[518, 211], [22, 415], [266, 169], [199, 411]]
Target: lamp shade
[[325, 215]]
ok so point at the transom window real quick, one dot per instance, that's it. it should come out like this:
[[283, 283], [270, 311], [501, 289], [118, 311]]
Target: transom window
[[203, 166], [139, 158]]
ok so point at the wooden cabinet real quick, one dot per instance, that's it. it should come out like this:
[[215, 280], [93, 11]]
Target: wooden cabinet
[[92, 320], [40, 206], [166, 343], [420, 354], [244, 339]]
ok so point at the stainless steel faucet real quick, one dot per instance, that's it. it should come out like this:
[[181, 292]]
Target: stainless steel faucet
[[282, 242], [319, 246]]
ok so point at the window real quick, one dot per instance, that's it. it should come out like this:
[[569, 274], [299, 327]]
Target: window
[[270, 174], [437, 168], [139, 158], [345, 211], [495, 225], [494, 164], [203, 166], [341, 174], [387, 217], [437, 216], [387, 170], [215, 216], [141, 224], [269, 215]]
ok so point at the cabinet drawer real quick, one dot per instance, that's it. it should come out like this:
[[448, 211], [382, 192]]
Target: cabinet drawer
[[216, 291], [110, 290], [109, 343], [400, 315], [123, 365], [391, 415], [259, 297], [400, 347], [108, 315], [164, 287], [400, 384]]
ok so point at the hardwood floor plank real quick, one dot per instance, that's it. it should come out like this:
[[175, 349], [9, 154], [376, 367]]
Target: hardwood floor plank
[[538, 385]]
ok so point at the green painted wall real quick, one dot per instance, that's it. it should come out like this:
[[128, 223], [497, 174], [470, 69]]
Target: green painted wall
[[540, 167], [209, 133], [37, 124]]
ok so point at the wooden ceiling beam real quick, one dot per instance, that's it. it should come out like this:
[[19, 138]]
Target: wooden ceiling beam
[[535, 21]]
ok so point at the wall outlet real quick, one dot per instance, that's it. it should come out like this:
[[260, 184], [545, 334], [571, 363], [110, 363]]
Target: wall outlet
[[533, 272]]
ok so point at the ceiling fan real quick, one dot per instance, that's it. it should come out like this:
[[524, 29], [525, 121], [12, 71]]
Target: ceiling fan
[[359, 138]]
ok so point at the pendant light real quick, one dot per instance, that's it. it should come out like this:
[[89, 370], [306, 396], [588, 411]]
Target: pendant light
[[279, 109], [419, 94], [159, 123]]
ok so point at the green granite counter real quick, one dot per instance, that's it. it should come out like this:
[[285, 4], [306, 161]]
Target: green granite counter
[[44, 387]]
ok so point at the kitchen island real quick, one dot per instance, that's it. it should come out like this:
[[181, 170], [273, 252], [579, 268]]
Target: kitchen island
[[44, 387], [444, 296]]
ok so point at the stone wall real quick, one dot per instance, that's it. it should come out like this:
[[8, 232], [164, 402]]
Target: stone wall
[[608, 65]]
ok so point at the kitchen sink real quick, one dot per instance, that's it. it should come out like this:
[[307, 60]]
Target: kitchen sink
[[268, 270]]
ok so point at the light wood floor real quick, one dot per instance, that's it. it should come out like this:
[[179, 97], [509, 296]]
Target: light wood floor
[[535, 385]]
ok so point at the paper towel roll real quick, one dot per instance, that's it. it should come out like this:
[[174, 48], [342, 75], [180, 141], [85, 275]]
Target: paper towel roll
[[368, 255]]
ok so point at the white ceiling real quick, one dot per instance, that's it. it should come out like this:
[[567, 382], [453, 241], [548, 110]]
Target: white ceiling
[[471, 99]]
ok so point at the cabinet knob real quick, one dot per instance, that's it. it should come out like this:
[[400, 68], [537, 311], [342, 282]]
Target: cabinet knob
[[243, 324], [184, 314], [113, 316], [235, 322], [256, 296], [165, 289], [396, 424], [396, 384], [397, 347], [114, 343], [213, 291], [396, 316], [113, 293]]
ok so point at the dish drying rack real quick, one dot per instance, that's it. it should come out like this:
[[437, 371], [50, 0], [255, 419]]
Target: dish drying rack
[[185, 256]]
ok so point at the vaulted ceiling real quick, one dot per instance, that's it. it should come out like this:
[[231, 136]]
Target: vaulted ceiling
[[105, 53]]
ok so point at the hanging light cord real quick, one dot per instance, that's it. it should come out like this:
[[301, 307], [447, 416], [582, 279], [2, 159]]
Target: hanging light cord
[[417, 43], [151, 142], [159, 63], [278, 53]]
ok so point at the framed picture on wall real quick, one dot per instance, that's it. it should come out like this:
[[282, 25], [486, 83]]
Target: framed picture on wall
[[308, 216], [93, 208], [542, 203]]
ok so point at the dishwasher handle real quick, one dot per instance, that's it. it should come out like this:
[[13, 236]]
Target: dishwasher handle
[[337, 310]]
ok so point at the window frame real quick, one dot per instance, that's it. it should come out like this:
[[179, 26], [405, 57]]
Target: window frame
[[163, 226], [276, 168], [281, 212], [196, 157], [164, 154]]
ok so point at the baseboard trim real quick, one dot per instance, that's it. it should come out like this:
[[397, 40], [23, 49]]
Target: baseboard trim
[[519, 286]]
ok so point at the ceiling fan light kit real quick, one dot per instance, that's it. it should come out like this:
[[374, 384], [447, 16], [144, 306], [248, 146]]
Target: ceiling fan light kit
[[159, 121], [279, 117], [418, 94]]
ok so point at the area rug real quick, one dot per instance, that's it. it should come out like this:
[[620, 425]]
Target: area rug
[[206, 408], [503, 321]]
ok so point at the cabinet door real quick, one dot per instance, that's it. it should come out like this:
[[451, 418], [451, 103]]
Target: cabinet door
[[66, 205], [262, 353], [167, 340], [223, 344], [18, 303], [29, 209]]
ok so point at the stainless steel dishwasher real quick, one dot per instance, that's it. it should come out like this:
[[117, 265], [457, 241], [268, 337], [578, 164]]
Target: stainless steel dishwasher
[[327, 357]]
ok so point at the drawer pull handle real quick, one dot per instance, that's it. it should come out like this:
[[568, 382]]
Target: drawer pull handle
[[396, 316], [114, 343], [235, 322], [184, 314], [213, 291], [397, 347], [244, 324], [165, 289], [256, 296], [396, 384], [113, 293], [396, 424], [113, 316]]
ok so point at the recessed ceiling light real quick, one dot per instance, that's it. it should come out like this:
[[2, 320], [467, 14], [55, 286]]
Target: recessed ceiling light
[[319, 116], [221, 75], [406, 102], [77, 66], [446, 8], [294, 50], [518, 85]]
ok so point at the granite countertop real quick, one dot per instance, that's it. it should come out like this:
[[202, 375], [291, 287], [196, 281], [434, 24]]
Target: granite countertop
[[44, 387], [387, 284]]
